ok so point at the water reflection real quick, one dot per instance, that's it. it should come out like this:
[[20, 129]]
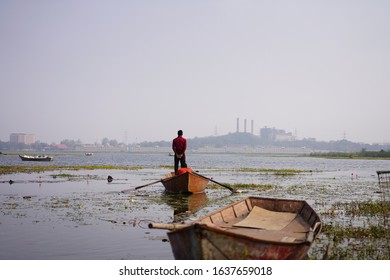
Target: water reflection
[[184, 204]]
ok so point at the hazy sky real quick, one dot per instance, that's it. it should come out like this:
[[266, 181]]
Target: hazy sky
[[93, 69]]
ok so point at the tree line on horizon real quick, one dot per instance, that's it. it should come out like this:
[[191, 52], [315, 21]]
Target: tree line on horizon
[[231, 139], [247, 139], [362, 154], [39, 146]]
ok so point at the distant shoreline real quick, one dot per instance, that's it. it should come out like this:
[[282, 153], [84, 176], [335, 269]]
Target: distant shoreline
[[259, 151], [385, 155]]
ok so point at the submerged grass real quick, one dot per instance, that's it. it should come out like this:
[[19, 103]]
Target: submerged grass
[[72, 177], [259, 187], [340, 232], [278, 172], [353, 240], [368, 208], [42, 168]]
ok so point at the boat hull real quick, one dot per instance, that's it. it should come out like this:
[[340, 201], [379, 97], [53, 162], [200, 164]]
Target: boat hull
[[185, 183], [215, 237]]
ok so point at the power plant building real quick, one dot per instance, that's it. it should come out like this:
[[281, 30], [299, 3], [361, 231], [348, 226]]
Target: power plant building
[[22, 138], [274, 135]]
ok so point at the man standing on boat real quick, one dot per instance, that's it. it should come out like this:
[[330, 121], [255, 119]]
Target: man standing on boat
[[179, 146]]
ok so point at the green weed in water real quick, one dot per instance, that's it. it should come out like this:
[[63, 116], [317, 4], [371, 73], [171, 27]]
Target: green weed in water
[[355, 240], [36, 169], [277, 172], [261, 187], [368, 208]]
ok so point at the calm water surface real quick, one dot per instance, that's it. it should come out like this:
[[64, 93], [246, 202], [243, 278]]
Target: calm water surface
[[82, 216]]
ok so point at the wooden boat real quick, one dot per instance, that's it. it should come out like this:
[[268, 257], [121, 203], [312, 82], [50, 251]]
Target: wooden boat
[[35, 158], [184, 183], [252, 228]]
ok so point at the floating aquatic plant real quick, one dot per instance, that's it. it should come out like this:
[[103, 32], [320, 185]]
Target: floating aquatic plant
[[36, 169]]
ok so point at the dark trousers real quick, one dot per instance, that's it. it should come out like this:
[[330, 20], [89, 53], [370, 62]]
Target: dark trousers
[[182, 161]]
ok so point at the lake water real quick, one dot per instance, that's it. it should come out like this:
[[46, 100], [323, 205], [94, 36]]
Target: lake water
[[80, 215]]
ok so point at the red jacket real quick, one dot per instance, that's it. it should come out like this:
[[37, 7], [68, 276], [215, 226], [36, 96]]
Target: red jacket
[[179, 145], [184, 170]]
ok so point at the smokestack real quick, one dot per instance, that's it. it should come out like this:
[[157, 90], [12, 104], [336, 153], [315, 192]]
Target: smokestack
[[238, 125], [252, 127], [245, 125]]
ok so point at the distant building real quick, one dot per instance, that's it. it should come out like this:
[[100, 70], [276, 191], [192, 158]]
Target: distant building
[[22, 138], [274, 135]]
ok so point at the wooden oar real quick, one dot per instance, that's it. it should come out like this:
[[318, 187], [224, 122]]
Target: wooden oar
[[167, 226], [139, 187], [230, 188]]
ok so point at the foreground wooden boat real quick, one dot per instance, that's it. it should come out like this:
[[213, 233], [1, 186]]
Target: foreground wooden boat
[[184, 183], [35, 158], [252, 228]]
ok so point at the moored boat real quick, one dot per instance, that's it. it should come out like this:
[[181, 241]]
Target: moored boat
[[184, 183], [35, 158], [252, 228]]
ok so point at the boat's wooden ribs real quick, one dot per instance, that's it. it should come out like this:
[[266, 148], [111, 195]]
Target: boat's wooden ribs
[[216, 218], [228, 214], [249, 204], [241, 210], [308, 215]]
